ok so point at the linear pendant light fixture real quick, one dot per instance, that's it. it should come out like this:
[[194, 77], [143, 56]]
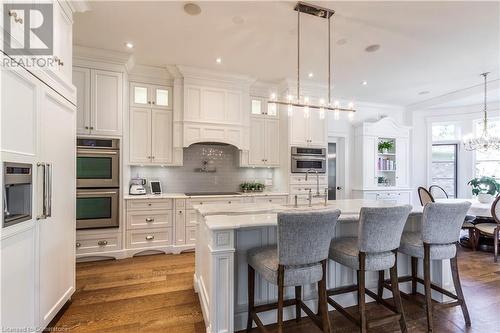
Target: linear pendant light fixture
[[323, 13]]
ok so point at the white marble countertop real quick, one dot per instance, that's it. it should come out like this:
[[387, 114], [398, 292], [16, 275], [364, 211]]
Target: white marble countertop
[[236, 216], [183, 196]]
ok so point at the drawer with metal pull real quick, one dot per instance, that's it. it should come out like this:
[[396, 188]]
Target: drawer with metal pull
[[207, 201], [98, 243], [190, 235], [280, 200], [147, 204], [149, 219], [149, 238]]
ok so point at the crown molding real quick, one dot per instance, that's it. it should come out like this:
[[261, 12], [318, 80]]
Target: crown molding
[[107, 56]]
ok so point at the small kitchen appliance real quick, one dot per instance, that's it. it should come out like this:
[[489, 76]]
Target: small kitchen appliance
[[137, 186]]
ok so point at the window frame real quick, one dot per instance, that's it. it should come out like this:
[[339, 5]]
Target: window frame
[[456, 145]]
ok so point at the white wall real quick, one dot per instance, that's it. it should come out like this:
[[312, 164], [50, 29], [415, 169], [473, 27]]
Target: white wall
[[421, 122]]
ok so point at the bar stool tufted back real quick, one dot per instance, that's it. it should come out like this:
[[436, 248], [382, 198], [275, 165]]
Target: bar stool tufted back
[[441, 222]]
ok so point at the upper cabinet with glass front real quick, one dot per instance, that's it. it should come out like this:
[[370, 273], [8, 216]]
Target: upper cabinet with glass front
[[151, 96], [260, 107]]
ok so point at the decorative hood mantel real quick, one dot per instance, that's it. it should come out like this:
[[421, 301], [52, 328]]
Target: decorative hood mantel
[[216, 107]]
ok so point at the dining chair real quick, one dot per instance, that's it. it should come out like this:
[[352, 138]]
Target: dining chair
[[299, 258], [424, 195], [438, 192], [491, 229], [375, 249], [438, 240]]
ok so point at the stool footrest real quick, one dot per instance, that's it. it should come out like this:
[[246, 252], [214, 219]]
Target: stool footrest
[[384, 320], [387, 284]]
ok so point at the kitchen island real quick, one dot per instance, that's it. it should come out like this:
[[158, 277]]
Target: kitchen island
[[226, 232]]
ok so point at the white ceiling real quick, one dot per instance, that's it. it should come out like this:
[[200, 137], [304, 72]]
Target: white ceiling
[[425, 46]]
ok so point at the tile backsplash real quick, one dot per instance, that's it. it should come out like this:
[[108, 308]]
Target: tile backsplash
[[190, 177]]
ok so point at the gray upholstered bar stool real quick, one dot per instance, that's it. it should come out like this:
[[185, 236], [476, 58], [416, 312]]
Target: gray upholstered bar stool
[[438, 240], [375, 249], [299, 258]]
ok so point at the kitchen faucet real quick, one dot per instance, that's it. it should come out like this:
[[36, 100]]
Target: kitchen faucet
[[317, 195]]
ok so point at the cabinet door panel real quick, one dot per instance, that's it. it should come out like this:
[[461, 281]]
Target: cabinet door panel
[[81, 80], [233, 107], [256, 154], [213, 105], [369, 155], [272, 142], [162, 97], [161, 134], [317, 129], [192, 100], [19, 112], [402, 158], [107, 102], [299, 127], [180, 227], [140, 95], [140, 135], [63, 41], [57, 232]]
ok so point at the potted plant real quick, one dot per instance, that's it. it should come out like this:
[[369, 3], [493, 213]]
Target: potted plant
[[485, 188], [385, 146]]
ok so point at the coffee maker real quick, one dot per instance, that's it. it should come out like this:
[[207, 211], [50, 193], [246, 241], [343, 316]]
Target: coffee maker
[[137, 186]]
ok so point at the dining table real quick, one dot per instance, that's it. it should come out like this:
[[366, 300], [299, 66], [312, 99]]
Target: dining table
[[478, 209]]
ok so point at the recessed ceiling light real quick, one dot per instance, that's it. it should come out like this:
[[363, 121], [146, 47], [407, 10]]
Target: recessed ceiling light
[[364, 83], [218, 60], [129, 45], [425, 92], [372, 48], [192, 9], [310, 74]]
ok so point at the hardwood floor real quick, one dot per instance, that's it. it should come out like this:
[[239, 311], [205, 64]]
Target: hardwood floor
[[155, 294]]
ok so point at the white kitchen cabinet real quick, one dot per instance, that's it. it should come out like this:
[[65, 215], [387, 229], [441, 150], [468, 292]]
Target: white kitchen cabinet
[[18, 278], [376, 169], [140, 135], [151, 137], [99, 101], [20, 109], [180, 227], [307, 130], [57, 232], [161, 136], [81, 80], [260, 107], [63, 40], [264, 143], [151, 96]]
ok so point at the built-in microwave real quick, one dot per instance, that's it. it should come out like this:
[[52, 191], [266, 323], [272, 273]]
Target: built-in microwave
[[97, 208], [307, 158], [97, 163]]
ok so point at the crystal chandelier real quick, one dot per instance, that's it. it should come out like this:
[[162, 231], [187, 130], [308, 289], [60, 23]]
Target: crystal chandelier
[[290, 101], [485, 142]]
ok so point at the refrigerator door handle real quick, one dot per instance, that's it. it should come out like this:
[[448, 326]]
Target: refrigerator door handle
[[43, 215], [49, 190]]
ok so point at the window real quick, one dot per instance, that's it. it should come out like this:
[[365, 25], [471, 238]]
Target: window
[[488, 164], [444, 167]]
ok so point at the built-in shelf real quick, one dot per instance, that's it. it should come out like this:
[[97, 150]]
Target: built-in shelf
[[387, 154], [387, 170]]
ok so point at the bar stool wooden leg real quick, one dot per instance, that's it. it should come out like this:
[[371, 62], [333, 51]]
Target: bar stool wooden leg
[[458, 288], [496, 231], [281, 290], [414, 274], [396, 295], [298, 298], [323, 305], [427, 285], [251, 290], [380, 286], [361, 292]]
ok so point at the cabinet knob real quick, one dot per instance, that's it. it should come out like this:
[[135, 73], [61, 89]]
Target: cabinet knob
[[150, 219], [150, 237], [102, 243], [86, 127], [91, 127], [149, 102], [149, 204], [153, 102], [229, 202], [180, 212], [78, 244]]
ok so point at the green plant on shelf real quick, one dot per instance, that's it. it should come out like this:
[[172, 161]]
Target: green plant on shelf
[[385, 146]]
